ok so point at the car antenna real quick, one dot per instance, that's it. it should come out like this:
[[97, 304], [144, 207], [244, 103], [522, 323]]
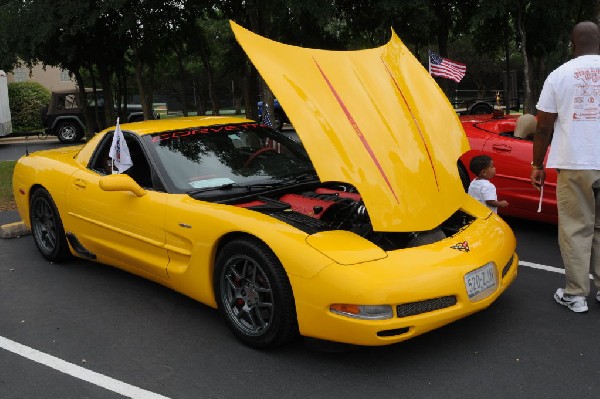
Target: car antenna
[[26, 148]]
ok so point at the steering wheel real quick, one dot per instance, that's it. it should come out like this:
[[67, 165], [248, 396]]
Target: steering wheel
[[257, 153]]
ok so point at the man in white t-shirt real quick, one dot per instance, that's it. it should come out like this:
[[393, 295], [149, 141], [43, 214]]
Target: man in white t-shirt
[[569, 116]]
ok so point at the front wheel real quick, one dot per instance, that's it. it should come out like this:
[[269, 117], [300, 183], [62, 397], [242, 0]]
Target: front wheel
[[254, 295], [68, 132], [46, 227]]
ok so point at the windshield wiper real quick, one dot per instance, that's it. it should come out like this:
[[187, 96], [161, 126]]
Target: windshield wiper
[[301, 177], [226, 186]]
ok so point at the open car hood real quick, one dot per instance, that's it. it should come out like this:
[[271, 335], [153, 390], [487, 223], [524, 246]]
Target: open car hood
[[373, 118]]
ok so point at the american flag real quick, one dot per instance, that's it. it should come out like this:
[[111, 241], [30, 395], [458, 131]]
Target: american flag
[[446, 68], [266, 115]]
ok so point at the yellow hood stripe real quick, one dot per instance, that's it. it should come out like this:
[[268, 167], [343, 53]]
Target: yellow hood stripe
[[412, 115], [358, 131]]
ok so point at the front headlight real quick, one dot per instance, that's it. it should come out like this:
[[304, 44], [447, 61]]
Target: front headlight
[[364, 312]]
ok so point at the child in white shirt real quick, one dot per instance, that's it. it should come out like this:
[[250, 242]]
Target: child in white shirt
[[481, 188]]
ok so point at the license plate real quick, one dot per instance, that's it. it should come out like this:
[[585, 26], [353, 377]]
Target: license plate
[[480, 280]]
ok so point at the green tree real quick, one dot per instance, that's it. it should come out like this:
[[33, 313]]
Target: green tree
[[26, 101]]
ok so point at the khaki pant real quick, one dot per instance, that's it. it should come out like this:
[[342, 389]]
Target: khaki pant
[[578, 200]]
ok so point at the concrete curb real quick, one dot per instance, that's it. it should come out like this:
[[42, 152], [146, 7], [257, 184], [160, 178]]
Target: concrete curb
[[14, 230], [23, 139]]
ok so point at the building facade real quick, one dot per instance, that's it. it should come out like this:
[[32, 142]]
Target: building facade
[[51, 78]]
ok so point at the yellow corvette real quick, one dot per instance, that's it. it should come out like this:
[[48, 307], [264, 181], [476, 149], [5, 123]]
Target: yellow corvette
[[361, 234]]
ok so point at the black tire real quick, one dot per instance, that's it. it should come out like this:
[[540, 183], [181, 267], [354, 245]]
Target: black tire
[[481, 108], [464, 176], [47, 228], [137, 118], [69, 132], [254, 295]]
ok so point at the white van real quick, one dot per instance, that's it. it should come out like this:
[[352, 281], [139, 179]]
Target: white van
[[5, 123]]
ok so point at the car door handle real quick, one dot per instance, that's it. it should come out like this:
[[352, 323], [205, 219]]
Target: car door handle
[[80, 184], [501, 147]]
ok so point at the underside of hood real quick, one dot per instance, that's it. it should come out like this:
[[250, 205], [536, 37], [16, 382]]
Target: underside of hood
[[373, 118]]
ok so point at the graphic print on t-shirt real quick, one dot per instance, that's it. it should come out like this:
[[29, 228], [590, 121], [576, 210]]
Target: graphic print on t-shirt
[[586, 103]]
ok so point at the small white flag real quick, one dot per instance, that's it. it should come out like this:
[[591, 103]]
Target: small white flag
[[119, 152], [541, 198]]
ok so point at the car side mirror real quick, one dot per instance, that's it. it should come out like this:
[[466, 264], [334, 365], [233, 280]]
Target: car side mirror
[[121, 182]]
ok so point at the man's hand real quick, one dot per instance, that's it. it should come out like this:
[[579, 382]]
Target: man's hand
[[537, 178]]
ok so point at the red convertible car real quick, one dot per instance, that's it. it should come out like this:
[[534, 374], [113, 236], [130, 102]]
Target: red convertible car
[[512, 156]]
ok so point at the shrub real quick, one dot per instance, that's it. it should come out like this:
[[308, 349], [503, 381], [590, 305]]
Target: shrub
[[26, 101]]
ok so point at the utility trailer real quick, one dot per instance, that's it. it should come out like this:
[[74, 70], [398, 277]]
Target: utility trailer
[[5, 123]]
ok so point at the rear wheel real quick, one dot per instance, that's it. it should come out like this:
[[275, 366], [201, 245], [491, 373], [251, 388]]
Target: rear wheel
[[46, 227], [480, 109], [69, 132], [254, 295]]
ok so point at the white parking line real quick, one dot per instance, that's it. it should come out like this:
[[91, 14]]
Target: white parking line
[[73, 370], [544, 267]]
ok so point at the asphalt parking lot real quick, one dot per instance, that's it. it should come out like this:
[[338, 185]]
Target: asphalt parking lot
[[84, 330], [146, 340]]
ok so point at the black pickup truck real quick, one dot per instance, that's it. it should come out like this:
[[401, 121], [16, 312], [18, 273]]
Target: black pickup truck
[[63, 116]]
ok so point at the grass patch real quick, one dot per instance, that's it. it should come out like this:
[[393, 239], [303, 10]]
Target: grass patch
[[7, 201]]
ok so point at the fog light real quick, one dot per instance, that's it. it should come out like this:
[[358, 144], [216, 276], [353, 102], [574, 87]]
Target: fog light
[[365, 312]]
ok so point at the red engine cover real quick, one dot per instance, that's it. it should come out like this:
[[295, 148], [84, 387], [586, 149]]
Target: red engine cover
[[308, 206]]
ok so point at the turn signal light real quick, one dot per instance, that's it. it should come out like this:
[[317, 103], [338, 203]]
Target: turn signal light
[[365, 312]]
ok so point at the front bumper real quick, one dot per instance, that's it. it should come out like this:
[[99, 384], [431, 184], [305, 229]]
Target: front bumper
[[424, 296]]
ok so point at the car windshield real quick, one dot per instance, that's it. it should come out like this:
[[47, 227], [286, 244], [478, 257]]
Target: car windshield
[[237, 155]]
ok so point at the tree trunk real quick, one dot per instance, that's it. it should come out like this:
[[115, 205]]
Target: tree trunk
[[199, 98], [252, 83], [87, 115], [529, 101], [97, 118], [109, 104], [145, 88], [251, 93], [124, 94], [182, 84], [209, 77]]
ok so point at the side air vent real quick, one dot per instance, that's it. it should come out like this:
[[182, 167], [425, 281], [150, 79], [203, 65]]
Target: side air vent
[[507, 266], [78, 247]]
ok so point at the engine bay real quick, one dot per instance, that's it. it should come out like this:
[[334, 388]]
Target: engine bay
[[339, 206]]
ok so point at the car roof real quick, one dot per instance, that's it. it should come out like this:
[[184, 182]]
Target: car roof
[[170, 124]]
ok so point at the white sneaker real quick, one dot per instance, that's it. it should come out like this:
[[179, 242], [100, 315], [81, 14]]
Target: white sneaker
[[576, 303]]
